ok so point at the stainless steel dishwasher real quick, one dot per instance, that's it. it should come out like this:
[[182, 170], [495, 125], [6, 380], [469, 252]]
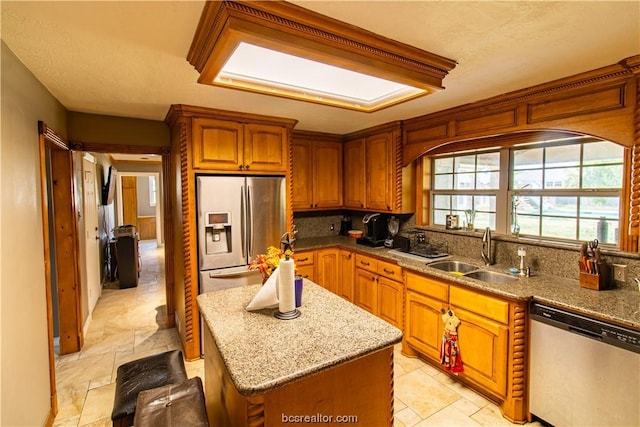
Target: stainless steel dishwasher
[[583, 372]]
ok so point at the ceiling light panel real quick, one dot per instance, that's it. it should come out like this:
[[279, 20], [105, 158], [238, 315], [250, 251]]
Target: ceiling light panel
[[273, 69], [352, 68]]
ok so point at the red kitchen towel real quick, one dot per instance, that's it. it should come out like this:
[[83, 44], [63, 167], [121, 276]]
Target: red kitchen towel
[[449, 350], [450, 353]]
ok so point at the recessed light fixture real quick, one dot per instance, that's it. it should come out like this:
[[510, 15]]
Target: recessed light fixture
[[281, 49]]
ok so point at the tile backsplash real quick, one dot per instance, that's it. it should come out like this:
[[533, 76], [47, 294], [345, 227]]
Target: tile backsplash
[[543, 258]]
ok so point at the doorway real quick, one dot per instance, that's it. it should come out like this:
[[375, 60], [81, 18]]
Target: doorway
[[139, 203]]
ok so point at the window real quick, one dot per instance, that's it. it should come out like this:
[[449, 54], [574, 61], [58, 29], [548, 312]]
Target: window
[[464, 182], [153, 194], [566, 189]]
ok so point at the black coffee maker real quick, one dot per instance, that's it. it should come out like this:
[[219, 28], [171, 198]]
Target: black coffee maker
[[375, 230], [345, 225]]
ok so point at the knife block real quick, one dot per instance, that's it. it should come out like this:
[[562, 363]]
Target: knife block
[[596, 282]]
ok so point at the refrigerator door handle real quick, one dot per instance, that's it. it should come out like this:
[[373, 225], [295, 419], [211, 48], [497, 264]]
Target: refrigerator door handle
[[243, 223], [231, 272], [250, 220]]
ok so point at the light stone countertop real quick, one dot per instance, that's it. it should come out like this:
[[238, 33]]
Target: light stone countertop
[[620, 306], [263, 353]]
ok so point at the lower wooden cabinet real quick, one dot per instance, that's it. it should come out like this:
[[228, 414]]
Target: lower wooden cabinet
[[346, 267], [491, 337], [327, 271], [366, 290], [484, 352], [484, 334], [379, 289], [390, 299], [305, 264], [423, 327]]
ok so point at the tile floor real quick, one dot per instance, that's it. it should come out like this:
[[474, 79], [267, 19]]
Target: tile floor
[[128, 324]]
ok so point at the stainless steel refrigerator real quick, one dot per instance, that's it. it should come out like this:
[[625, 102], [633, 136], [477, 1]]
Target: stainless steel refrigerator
[[238, 218]]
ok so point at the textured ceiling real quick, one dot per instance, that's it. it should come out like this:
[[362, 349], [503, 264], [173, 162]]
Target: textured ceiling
[[128, 58]]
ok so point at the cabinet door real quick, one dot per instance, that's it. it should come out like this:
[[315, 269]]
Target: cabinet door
[[217, 144], [423, 326], [265, 148], [302, 175], [346, 275], [390, 301], [483, 349], [366, 292], [326, 271], [327, 175], [355, 174], [379, 177]]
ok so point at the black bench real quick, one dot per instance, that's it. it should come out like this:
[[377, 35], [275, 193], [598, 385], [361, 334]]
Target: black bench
[[144, 374], [172, 405]]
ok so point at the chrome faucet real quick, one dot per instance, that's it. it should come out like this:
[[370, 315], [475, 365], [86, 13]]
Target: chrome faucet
[[486, 247]]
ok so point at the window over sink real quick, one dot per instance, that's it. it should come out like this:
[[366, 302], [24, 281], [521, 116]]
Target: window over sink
[[562, 189]]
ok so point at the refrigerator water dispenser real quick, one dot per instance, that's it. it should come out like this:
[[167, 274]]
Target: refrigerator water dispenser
[[218, 233]]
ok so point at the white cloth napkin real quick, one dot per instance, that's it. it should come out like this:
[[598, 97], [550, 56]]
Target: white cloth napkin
[[267, 296]]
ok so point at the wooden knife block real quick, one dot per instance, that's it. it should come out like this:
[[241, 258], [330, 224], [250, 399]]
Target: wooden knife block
[[596, 281]]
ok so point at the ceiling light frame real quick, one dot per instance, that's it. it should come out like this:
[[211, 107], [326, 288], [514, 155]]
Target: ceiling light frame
[[291, 29]]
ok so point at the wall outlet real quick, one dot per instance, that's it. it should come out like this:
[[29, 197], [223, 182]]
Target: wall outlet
[[620, 273]]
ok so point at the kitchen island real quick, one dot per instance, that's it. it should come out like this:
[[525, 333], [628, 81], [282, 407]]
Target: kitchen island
[[333, 364]]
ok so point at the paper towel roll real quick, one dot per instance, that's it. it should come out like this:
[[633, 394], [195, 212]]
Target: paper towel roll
[[286, 287]]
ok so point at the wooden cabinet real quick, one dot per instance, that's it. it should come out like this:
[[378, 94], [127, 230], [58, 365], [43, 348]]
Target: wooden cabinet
[[379, 288], [390, 301], [147, 227], [379, 177], [305, 264], [425, 298], [327, 268], [374, 177], [366, 291], [354, 174], [316, 171], [483, 336], [491, 337], [346, 274], [224, 145]]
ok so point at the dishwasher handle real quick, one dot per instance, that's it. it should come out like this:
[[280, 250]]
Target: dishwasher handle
[[584, 333]]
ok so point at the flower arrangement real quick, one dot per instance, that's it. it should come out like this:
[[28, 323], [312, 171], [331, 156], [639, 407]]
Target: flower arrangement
[[267, 263]]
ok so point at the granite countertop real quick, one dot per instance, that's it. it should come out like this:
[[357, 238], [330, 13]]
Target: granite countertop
[[621, 306], [262, 353]]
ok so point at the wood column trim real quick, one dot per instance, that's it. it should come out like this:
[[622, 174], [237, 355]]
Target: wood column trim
[[631, 243], [168, 236]]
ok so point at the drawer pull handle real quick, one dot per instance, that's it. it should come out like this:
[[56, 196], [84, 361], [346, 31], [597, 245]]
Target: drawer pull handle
[[365, 263], [303, 259], [389, 271]]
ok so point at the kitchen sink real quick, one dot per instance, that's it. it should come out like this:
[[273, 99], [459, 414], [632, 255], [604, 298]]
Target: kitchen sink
[[455, 267], [490, 276]]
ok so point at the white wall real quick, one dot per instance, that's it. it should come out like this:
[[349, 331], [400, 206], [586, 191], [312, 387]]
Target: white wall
[[24, 365]]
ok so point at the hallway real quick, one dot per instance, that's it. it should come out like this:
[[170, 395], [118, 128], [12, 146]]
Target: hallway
[[127, 324]]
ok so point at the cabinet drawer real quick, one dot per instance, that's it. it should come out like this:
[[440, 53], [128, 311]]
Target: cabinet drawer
[[428, 286], [307, 272], [484, 305], [367, 263], [390, 271], [304, 258]]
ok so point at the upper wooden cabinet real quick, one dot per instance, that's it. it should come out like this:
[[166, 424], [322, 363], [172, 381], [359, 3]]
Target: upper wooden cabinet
[[232, 146], [316, 171], [355, 174], [374, 177]]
